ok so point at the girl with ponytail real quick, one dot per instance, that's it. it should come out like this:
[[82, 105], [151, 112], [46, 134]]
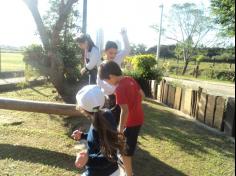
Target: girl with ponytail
[[91, 55], [103, 139]]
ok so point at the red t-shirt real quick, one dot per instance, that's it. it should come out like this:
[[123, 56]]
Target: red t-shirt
[[128, 92]]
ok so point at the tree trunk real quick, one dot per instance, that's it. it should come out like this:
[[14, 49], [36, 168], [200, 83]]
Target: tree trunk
[[197, 71], [39, 107], [185, 67]]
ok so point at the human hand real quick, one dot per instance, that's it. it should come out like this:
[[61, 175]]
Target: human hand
[[81, 160], [83, 71], [77, 135], [120, 129], [123, 31]]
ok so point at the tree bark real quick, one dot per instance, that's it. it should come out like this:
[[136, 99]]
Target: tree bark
[[39, 107]]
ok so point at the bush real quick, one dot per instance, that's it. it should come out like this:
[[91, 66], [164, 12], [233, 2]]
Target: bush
[[225, 58], [68, 52], [143, 68], [35, 60], [224, 75], [34, 55]]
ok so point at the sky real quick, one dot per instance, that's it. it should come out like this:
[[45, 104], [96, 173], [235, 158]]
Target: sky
[[17, 27]]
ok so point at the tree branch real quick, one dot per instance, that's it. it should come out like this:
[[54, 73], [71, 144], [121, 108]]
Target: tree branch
[[64, 12], [171, 38], [33, 7]]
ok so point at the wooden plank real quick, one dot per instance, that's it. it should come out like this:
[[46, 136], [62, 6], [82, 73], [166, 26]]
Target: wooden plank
[[194, 104], [154, 88], [163, 82], [178, 96], [188, 101], [229, 120], [210, 110], [166, 91], [202, 107], [39, 107], [171, 96], [182, 100], [219, 112], [159, 92]]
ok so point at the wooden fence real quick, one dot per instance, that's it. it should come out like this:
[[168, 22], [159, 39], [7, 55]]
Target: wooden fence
[[215, 111]]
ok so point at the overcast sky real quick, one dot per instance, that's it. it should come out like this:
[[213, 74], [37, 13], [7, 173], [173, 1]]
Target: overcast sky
[[18, 28]]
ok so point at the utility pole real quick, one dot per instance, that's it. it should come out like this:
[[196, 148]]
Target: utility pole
[[85, 15], [160, 33]]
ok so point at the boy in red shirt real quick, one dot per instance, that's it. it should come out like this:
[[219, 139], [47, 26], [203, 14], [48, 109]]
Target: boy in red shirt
[[129, 97]]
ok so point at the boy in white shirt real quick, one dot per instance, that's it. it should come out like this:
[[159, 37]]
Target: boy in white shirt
[[112, 53]]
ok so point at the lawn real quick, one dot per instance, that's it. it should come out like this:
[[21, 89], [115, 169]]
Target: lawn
[[35, 144], [12, 62]]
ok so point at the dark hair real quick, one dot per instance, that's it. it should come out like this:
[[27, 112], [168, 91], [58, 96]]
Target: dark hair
[[109, 68], [86, 38], [110, 140], [111, 44]]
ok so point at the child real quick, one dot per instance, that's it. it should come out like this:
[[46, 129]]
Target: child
[[103, 139], [111, 51], [129, 97], [92, 58]]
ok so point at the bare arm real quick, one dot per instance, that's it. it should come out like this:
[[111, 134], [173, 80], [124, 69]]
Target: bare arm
[[123, 117], [142, 94], [126, 41]]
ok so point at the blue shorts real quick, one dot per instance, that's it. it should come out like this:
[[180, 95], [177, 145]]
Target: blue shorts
[[131, 134]]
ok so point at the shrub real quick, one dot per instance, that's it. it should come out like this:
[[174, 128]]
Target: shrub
[[224, 75], [67, 51], [144, 67]]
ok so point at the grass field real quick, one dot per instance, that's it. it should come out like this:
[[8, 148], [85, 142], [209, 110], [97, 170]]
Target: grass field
[[12, 62], [204, 67], [39, 145]]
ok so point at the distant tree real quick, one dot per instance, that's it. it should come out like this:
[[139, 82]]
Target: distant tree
[[224, 10], [166, 51], [189, 25], [138, 49]]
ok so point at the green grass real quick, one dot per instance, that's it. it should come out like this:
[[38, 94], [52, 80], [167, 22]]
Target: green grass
[[202, 78], [12, 62], [204, 68], [203, 65], [35, 144]]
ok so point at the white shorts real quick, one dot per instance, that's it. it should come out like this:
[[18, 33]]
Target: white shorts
[[119, 172]]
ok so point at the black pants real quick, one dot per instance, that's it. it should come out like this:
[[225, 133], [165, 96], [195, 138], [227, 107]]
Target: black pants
[[91, 76], [131, 135], [115, 109]]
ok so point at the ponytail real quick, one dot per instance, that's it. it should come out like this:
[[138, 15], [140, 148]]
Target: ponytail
[[110, 140], [86, 38]]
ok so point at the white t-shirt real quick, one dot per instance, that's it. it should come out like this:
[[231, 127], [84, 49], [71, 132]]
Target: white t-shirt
[[94, 58], [107, 88]]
